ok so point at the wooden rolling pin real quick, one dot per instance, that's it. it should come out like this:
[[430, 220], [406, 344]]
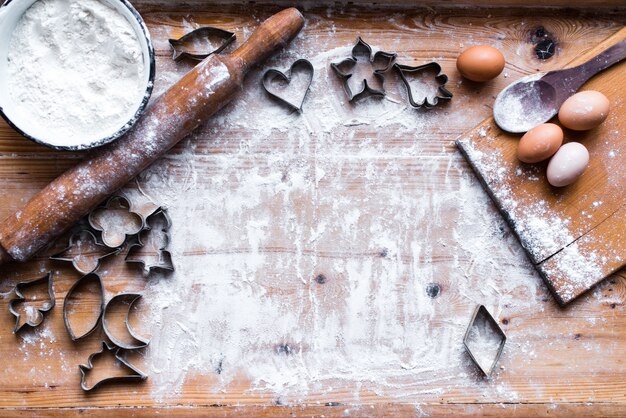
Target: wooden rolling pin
[[186, 105]]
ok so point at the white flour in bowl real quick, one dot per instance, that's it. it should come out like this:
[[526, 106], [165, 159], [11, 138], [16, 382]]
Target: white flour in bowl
[[75, 71]]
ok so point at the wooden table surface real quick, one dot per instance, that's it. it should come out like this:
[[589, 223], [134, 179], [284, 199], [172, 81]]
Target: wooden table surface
[[557, 362]]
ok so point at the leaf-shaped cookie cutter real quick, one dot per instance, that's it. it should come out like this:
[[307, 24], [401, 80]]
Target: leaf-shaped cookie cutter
[[61, 256], [204, 32], [272, 74], [441, 79], [141, 342], [123, 203], [481, 311], [353, 60], [66, 319], [137, 374], [19, 288], [132, 258]]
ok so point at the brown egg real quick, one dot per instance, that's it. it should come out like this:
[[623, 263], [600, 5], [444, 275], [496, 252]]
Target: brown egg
[[480, 63], [584, 110], [540, 143]]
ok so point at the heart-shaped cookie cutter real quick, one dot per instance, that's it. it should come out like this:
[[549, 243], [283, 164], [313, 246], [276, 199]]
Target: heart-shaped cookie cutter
[[272, 74]]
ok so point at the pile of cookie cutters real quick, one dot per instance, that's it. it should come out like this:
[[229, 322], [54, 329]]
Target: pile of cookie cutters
[[114, 228]]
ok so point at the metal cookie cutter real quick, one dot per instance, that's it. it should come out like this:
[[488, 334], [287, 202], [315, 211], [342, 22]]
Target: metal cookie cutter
[[116, 221], [139, 341], [84, 369], [419, 99], [19, 292], [482, 328], [362, 53], [66, 305], [186, 46], [84, 252], [271, 77], [151, 250]]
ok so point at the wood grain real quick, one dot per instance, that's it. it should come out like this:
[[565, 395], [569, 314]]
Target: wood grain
[[542, 362], [594, 206]]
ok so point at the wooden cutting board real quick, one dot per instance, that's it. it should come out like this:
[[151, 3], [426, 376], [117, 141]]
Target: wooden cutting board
[[575, 236]]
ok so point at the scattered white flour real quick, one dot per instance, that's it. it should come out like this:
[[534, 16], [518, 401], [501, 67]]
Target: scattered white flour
[[75, 71]]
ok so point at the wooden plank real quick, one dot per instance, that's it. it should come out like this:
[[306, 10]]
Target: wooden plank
[[550, 221], [540, 374]]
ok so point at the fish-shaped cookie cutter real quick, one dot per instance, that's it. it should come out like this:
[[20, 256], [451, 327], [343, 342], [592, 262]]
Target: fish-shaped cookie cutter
[[205, 32]]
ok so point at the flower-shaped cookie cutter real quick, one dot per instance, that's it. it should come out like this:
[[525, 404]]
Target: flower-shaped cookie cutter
[[417, 99], [184, 47], [116, 221], [20, 298], [135, 375], [362, 53]]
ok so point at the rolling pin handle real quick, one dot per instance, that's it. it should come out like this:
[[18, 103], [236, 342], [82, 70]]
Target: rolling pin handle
[[276, 32]]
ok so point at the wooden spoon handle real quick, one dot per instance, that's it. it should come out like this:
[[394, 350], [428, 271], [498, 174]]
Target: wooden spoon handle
[[568, 81], [187, 104]]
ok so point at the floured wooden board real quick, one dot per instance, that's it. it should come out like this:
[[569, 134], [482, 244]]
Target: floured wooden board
[[576, 236]]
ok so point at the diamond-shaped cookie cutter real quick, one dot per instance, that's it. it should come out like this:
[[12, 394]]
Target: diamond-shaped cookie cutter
[[205, 32], [442, 92], [19, 289], [362, 49], [482, 314], [137, 374]]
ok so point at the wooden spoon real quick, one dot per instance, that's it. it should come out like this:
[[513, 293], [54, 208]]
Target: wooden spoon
[[535, 99]]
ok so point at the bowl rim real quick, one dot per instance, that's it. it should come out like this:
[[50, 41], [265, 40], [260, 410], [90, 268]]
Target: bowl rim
[[136, 116]]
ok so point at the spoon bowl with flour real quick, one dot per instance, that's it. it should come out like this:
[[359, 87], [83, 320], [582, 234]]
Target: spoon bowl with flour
[[74, 74]]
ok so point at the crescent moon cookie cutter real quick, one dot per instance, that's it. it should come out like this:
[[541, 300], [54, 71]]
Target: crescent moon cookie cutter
[[484, 340], [418, 98], [20, 288], [362, 53], [135, 375], [273, 76], [208, 35], [139, 341]]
